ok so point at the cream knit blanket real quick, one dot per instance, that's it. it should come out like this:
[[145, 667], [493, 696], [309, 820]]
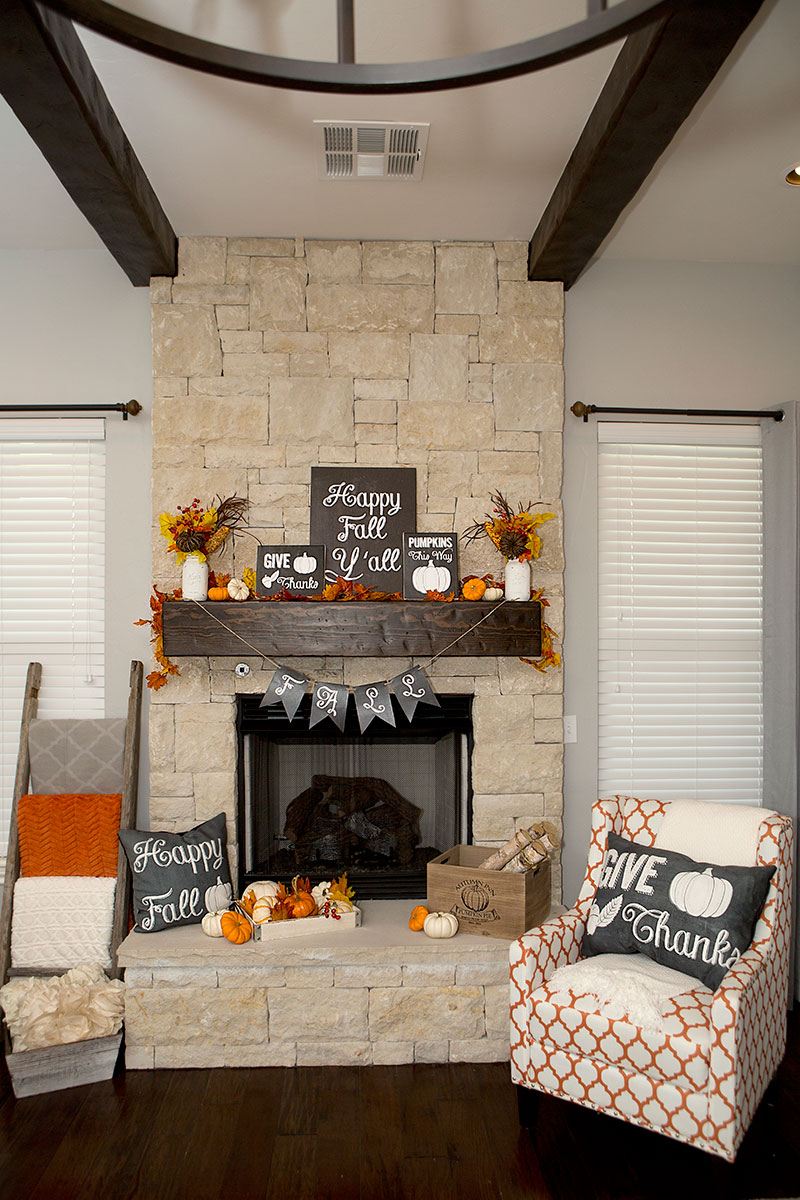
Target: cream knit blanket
[[725, 834]]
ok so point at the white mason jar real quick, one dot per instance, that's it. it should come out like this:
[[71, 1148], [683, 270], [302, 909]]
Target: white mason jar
[[194, 583], [518, 579]]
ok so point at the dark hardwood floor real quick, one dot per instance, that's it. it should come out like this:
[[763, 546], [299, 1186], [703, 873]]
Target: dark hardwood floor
[[368, 1133]]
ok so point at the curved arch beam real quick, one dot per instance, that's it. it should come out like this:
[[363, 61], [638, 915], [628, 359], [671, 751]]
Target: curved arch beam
[[599, 29]]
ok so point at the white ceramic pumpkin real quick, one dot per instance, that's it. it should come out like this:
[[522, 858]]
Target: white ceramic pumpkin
[[218, 896], [440, 925], [700, 893], [431, 578], [493, 593], [304, 564], [238, 589], [264, 888], [211, 923], [262, 909]]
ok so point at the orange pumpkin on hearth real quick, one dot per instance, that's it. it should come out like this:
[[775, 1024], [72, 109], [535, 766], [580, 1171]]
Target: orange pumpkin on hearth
[[236, 927]]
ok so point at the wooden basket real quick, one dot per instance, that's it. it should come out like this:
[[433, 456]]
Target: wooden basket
[[500, 904], [54, 1068]]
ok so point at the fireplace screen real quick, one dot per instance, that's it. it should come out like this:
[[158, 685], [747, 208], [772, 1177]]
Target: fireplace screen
[[379, 805]]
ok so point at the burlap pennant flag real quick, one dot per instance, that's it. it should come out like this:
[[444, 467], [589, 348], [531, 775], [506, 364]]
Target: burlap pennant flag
[[373, 700], [286, 688], [411, 688], [329, 700]]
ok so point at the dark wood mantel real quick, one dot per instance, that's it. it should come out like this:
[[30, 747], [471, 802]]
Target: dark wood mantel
[[365, 629]]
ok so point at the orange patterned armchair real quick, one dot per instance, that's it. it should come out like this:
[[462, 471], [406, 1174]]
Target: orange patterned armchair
[[699, 1071]]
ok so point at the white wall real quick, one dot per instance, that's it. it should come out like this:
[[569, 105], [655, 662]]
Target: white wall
[[671, 335], [75, 331]]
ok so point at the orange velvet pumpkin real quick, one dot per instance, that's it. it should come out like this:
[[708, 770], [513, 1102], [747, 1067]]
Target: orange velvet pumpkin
[[304, 905], [236, 927], [417, 918], [218, 593], [473, 589]]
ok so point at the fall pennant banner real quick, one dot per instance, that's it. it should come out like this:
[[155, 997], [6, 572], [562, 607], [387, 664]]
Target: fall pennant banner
[[286, 688], [413, 688], [329, 700], [372, 700]]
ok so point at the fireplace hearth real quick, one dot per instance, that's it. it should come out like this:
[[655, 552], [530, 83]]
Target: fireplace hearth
[[379, 805]]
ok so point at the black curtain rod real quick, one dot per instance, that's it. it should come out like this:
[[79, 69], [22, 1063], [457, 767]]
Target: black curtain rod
[[130, 409], [586, 410]]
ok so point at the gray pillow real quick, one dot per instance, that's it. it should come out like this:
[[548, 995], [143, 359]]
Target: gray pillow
[[178, 877], [695, 917]]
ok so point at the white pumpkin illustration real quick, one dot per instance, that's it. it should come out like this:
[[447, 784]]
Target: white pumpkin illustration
[[431, 578], [304, 564], [700, 893]]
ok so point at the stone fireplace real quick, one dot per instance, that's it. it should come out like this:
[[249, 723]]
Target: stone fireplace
[[275, 355]]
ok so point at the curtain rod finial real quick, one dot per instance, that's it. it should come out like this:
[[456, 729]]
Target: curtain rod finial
[[582, 410]]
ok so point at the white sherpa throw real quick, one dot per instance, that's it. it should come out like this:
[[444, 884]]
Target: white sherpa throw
[[726, 834], [79, 1005], [626, 986], [62, 921]]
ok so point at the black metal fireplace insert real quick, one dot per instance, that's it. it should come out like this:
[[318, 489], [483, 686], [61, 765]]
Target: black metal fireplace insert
[[378, 805]]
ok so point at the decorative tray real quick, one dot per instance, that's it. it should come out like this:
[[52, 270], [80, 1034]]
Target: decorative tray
[[306, 927]]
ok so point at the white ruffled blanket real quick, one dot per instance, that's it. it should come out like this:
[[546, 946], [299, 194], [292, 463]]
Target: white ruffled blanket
[[62, 921], [625, 986], [74, 1007]]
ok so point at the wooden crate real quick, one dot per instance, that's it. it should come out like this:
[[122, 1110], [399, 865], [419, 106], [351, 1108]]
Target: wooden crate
[[56, 1067], [495, 903], [307, 927]]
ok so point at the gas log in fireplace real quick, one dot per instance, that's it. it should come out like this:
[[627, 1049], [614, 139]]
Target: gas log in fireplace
[[378, 805]]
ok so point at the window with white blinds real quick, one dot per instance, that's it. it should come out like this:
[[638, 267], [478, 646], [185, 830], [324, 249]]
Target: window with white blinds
[[52, 563], [680, 611]]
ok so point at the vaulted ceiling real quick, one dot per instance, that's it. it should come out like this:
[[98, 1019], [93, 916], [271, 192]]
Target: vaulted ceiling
[[683, 157]]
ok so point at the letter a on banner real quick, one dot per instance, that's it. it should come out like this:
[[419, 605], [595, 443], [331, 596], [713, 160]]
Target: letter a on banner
[[413, 688], [373, 700], [287, 688], [329, 700]]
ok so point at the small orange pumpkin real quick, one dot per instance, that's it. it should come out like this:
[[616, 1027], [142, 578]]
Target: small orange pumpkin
[[473, 589], [218, 593], [304, 905], [236, 927], [417, 918]]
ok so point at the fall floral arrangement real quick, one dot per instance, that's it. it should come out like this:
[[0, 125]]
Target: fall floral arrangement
[[512, 531], [201, 531], [268, 902]]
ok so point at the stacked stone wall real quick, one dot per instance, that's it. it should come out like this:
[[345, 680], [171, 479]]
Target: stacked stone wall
[[273, 355]]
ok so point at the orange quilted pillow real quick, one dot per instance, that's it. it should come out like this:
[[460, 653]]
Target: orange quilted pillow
[[72, 834]]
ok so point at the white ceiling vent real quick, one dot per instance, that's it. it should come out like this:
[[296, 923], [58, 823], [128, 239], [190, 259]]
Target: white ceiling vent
[[370, 150]]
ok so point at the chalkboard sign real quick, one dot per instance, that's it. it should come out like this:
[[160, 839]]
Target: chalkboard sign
[[430, 564], [360, 515], [296, 569]]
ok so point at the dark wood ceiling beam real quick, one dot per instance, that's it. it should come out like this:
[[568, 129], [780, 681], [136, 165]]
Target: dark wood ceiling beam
[[659, 75], [47, 79]]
